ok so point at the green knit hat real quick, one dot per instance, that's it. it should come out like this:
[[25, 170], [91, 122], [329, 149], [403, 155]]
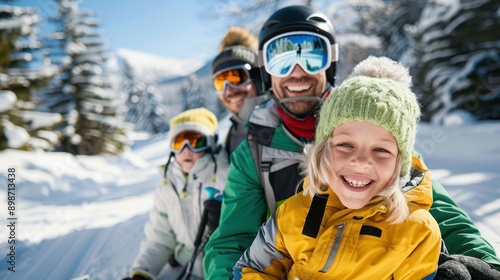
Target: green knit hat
[[379, 100]]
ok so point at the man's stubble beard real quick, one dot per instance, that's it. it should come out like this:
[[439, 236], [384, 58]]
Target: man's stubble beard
[[299, 107]]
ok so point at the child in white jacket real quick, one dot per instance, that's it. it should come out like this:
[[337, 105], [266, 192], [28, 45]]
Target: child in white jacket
[[179, 200]]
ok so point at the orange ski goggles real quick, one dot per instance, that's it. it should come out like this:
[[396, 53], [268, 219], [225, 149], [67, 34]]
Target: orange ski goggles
[[195, 141], [236, 77]]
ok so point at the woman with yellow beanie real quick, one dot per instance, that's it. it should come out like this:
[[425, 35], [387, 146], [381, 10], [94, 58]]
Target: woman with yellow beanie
[[179, 200]]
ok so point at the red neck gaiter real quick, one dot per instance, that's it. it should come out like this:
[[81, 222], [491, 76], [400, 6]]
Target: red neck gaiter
[[304, 128]]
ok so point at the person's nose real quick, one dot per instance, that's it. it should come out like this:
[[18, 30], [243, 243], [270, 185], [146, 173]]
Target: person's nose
[[361, 159], [230, 90], [186, 150], [298, 72]]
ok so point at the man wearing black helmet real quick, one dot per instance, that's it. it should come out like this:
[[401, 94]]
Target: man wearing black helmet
[[277, 132], [265, 169]]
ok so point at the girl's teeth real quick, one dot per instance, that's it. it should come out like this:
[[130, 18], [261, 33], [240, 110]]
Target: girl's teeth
[[357, 184]]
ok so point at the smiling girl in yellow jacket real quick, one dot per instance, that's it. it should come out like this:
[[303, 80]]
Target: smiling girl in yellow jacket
[[358, 217]]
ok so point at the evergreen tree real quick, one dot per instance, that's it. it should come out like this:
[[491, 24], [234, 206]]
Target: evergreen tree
[[373, 28], [357, 31], [145, 111], [87, 95], [457, 51], [192, 93], [398, 17], [198, 91], [25, 72]]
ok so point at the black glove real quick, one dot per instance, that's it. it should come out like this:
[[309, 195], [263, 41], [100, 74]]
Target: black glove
[[213, 208], [460, 267]]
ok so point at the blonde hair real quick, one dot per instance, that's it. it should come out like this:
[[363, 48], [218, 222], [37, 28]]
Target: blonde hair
[[238, 36], [317, 165]]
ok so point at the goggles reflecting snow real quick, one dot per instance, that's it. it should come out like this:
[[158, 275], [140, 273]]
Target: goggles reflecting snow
[[235, 76], [311, 51], [195, 141]]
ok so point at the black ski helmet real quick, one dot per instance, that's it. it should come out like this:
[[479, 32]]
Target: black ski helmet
[[296, 18]]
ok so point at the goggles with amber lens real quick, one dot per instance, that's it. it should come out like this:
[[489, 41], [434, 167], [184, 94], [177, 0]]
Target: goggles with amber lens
[[312, 51], [195, 141], [237, 77]]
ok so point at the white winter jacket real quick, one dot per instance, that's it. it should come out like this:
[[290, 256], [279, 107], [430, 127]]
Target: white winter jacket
[[175, 217]]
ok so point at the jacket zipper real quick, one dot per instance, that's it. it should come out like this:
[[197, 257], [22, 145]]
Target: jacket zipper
[[335, 248]]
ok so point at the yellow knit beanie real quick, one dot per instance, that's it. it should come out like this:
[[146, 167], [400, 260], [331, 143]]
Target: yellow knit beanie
[[199, 119]]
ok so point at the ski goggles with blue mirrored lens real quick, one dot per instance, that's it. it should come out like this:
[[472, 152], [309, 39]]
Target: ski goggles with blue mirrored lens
[[312, 51], [236, 76], [195, 141]]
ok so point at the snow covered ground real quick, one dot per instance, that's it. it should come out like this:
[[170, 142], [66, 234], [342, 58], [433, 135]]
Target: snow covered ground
[[85, 214]]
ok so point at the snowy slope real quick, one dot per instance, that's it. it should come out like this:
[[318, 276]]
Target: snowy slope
[[79, 215]]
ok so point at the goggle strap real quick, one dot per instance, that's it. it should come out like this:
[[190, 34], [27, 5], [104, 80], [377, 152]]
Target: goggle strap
[[261, 59], [313, 110], [335, 52], [172, 154]]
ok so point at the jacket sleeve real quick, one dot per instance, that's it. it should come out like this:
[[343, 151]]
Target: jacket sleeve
[[422, 262], [158, 246], [457, 230], [243, 211], [267, 257]]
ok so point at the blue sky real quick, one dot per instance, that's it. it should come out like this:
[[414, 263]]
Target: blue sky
[[153, 26]]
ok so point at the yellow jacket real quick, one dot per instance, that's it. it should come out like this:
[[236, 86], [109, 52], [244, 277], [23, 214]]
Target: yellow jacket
[[349, 244]]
